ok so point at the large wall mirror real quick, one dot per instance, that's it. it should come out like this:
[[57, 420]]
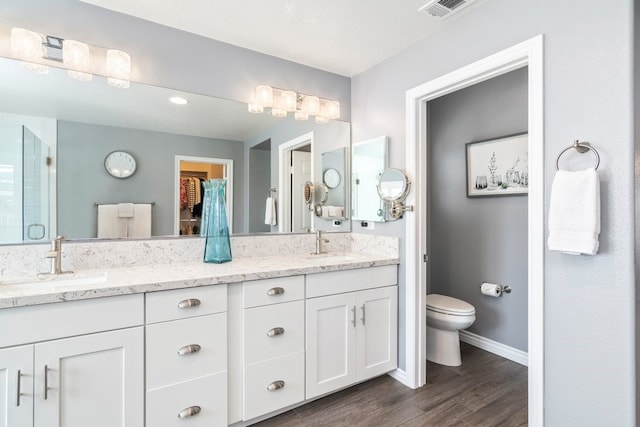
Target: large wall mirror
[[55, 133], [369, 160]]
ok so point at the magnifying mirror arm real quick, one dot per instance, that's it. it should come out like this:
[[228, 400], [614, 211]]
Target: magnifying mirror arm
[[397, 209]]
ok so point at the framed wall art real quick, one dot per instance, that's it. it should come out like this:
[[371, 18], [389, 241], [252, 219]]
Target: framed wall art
[[498, 167]]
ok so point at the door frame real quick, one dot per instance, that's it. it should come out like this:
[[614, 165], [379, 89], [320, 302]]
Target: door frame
[[526, 54], [228, 174], [284, 192]]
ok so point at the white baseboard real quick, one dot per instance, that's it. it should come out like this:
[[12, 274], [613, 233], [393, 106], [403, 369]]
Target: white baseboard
[[400, 375], [494, 347]]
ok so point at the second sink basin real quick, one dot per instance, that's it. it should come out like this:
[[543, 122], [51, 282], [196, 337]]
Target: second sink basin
[[58, 279]]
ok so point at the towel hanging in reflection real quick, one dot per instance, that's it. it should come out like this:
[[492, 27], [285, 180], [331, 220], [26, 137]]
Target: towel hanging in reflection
[[270, 211]]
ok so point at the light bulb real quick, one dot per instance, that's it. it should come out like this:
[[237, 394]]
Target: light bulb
[[333, 110], [75, 55], [118, 68]]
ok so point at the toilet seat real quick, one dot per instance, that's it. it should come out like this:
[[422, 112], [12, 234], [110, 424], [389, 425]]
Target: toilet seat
[[449, 305]]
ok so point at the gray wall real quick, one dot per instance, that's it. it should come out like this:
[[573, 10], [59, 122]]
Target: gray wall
[[589, 302], [472, 240], [83, 180]]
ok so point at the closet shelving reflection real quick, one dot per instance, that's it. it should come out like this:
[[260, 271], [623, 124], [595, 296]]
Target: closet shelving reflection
[[191, 201]]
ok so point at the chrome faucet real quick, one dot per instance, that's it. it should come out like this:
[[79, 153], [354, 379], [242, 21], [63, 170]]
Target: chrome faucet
[[55, 254], [319, 241]]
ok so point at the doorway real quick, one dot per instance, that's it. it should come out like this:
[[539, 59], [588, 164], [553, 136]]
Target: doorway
[[295, 169], [190, 172], [529, 54]]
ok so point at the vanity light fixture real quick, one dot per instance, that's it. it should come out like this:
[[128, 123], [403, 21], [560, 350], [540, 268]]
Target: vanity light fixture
[[281, 102], [37, 50]]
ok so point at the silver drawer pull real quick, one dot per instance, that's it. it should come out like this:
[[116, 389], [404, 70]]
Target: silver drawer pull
[[275, 331], [188, 303], [275, 291], [276, 385], [189, 412], [189, 349]]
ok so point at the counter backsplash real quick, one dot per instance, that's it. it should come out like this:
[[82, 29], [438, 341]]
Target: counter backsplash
[[26, 260]]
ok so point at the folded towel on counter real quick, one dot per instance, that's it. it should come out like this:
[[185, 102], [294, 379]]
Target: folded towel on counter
[[125, 210], [574, 212], [270, 211]]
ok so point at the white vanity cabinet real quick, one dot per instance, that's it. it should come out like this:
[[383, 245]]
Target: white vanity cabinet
[[186, 357], [91, 378], [273, 344], [351, 327]]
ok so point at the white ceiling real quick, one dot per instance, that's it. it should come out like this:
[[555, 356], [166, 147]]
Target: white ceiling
[[345, 37]]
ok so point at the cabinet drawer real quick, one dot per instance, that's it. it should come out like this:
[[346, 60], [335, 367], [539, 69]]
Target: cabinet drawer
[[183, 303], [262, 339], [258, 399], [165, 365], [64, 319], [209, 393], [271, 291], [338, 282]]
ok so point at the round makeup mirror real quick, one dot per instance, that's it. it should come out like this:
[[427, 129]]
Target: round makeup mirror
[[308, 193], [393, 187]]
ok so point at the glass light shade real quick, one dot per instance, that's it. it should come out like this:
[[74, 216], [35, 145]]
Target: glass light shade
[[311, 105], [333, 110], [118, 68], [76, 56], [264, 95], [301, 115], [322, 120], [27, 46], [255, 108], [288, 100], [278, 112]]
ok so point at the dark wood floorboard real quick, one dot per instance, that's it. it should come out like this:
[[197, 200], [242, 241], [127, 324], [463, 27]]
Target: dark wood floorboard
[[486, 391]]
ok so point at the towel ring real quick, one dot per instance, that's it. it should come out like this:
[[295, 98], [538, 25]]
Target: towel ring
[[580, 147]]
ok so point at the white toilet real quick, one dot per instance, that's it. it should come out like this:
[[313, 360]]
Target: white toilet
[[445, 317]]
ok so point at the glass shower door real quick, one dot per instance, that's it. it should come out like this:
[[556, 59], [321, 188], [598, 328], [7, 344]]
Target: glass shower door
[[35, 187]]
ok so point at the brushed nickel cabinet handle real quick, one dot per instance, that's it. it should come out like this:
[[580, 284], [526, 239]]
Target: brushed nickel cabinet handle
[[18, 393], [189, 349], [275, 291], [189, 412], [46, 382], [363, 318], [188, 303], [276, 385], [353, 316], [275, 331]]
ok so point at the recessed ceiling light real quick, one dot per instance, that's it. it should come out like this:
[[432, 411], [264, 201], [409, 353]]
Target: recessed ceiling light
[[178, 100]]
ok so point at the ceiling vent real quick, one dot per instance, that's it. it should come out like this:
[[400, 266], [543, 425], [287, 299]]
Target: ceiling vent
[[443, 9]]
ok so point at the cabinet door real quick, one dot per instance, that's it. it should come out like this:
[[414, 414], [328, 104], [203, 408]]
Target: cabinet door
[[16, 386], [91, 380], [331, 330], [377, 338]]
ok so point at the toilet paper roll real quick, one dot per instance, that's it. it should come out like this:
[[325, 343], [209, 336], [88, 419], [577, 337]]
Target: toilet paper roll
[[491, 289]]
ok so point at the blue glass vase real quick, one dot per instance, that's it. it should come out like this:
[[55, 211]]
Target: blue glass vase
[[214, 222]]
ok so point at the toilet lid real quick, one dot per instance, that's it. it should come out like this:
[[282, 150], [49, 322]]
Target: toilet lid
[[449, 305]]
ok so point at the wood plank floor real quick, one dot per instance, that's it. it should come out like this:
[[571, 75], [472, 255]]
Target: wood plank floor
[[486, 390]]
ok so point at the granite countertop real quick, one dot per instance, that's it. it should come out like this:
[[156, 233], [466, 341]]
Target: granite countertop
[[150, 278]]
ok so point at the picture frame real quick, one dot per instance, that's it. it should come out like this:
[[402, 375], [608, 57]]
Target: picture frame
[[498, 166]]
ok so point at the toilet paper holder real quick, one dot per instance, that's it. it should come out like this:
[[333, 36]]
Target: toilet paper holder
[[506, 289]]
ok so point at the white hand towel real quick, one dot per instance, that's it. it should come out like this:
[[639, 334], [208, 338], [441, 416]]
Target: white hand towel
[[140, 224], [110, 225], [574, 212], [270, 211], [125, 210]]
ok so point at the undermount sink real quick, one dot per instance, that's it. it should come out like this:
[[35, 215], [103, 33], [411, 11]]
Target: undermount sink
[[329, 257], [59, 279]]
